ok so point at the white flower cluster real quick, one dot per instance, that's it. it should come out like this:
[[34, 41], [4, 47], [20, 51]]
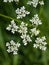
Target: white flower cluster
[[23, 30], [35, 3], [35, 32], [40, 43], [12, 27], [11, 0], [35, 20], [26, 38], [12, 47], [26, 35], [21, 12], [41, 2]]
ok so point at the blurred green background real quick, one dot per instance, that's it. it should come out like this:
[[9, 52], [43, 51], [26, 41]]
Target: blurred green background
[[26, 55]]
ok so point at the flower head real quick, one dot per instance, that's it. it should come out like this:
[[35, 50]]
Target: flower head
[[23, 28], [34, 32], [12, 47], [35, 3], [12, 27], [40, 43], [35, 20], [41, 2], [21, 12], [26, 38]]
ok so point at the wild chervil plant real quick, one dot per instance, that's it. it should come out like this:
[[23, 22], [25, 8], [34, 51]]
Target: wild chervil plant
[[26, 26], [23, 30]]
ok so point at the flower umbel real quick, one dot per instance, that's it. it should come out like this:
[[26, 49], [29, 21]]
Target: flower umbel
[[41, 2], [12, 27], [40, 43], [35, 3], [12, 47], [24, 34], [26, 38], [21, 12], [35, 20], [23, 28], [34, 32]]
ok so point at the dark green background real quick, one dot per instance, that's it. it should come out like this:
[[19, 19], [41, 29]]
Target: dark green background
[[26, 55]]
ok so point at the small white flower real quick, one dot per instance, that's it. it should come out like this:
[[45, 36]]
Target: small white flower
[[35, 20], [5, 0], [35, 45], [7, 44], [25, 42], [40, 43], [29, 2], [34, 32], [11, 0], [41, 2], [15, 52], [21, 12], [16, 0], [12, 47], [22, 28], [43, 38], [26, 38], [43, 48], [18, 44], [12, 27], [35, 2]]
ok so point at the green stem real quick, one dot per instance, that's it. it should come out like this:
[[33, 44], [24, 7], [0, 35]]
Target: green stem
[[9, 17]]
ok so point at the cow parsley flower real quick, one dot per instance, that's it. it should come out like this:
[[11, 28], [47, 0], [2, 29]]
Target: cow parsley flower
[[12, 47], [11, 0], [12, 27], [21, 12], [41, 2], [23, 28], [35, 32], [40, 43], [35, 3], [35, 20], [26, 38]]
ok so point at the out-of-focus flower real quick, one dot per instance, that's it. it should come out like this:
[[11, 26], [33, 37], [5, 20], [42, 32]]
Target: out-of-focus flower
[[35, 3], [34, 32], [41, 2], [11, 0]]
